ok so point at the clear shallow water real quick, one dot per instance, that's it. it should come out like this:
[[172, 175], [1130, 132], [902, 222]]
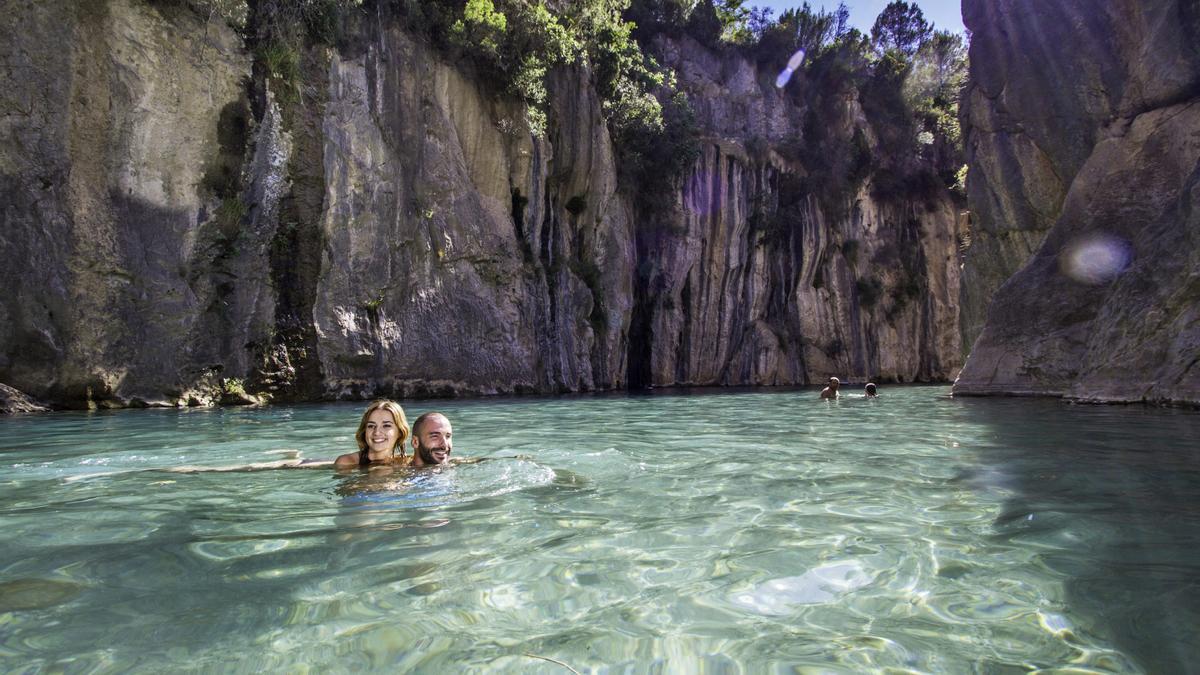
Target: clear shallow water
[[730, 532]]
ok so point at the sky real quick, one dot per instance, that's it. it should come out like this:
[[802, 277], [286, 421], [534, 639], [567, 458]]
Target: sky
[[943, 14]]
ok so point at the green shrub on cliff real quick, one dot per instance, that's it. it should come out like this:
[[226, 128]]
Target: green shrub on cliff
[[655, 154], [482, 26], [797, 29], [517, 44]]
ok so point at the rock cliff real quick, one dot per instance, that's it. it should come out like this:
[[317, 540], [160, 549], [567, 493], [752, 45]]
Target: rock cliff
[[111, 118], [181, 229], [1083, 136]]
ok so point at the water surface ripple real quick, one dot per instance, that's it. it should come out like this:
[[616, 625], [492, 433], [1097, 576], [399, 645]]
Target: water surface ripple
[[734, 532]]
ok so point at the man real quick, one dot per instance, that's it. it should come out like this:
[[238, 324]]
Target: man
[[432, 440], [870, 391], [831, 391]]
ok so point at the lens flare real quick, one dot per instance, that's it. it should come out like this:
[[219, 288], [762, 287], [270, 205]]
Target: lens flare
[[796, 60], [1095, 258], [793, 64]]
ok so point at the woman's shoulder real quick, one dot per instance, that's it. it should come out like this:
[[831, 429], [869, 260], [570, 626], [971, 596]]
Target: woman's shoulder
[[348, 459]]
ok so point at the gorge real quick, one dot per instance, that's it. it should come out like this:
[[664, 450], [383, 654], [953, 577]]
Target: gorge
[[196, 216]]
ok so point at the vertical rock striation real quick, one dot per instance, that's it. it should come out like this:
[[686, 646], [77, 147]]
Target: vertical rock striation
[[455, 260], [109, 127], [1083, 131], [757, 278], [180, 226]]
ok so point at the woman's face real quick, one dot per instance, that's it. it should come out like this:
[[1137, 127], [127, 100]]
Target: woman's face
[[381, 433]]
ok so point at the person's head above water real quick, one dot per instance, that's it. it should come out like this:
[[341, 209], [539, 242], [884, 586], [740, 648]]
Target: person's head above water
[[831, 391], [432, 439], [382, 430], [870, 389]]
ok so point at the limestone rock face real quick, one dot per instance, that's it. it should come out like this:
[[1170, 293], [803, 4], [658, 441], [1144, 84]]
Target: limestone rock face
[[110, 123], [181, 229], [1084, 142], [452, 263], [862, 289]]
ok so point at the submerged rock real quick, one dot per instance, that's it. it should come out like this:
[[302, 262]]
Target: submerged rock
[[31, 594]]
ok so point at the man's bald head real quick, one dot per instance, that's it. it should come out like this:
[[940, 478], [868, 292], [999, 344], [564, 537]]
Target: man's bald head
[[432, 439]]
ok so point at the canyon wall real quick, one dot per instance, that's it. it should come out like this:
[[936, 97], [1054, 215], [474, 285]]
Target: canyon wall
[[181, 229], [1083, 137]]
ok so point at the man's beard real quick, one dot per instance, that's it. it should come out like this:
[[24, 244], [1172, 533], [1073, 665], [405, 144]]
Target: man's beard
[[427, 453]]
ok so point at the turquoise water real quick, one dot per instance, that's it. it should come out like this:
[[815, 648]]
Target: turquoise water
[[733, 532]]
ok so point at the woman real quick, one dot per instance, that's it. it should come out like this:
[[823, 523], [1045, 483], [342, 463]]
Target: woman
[[381, 432]]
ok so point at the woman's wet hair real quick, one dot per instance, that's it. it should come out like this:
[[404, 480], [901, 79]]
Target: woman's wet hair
[[871, 388], [397, 416]]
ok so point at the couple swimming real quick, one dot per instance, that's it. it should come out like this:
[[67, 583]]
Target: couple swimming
[[831, 391], [383, 431], [381, 436]]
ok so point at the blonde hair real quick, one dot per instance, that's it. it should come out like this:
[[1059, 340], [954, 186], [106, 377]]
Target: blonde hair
[[397, 416]]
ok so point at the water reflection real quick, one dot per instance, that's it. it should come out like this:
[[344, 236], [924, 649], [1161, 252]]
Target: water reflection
[[753, 531], [1119, 517]]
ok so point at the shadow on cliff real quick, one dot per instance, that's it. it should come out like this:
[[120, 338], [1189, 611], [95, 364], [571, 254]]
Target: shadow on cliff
[[1115, 510]]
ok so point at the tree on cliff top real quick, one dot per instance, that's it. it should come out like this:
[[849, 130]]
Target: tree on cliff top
[[900, 27], [797, 29]]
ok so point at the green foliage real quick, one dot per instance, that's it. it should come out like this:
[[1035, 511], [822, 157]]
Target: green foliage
[[234, 386], [704, 24], [657, 152], [372, 306], [481, 25], [900, 27], [798, 29], [650, 17], [931, 90], [281, 61], [959, 188], [229, 215], [278, 30], [734, 17], [515, 43]]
